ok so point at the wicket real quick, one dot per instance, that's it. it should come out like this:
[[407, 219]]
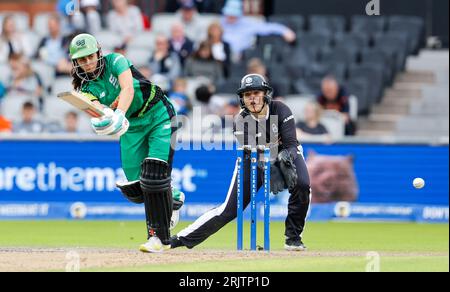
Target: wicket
[[253, 156]]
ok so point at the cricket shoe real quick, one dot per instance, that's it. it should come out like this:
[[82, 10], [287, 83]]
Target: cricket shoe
[[294, 245], [154, 245], [178, 202]]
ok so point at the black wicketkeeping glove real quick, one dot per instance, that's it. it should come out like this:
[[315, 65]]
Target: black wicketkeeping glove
[[277, 184], [288, 169]]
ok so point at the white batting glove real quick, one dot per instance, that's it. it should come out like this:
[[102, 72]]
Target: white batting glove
[[113, 123]]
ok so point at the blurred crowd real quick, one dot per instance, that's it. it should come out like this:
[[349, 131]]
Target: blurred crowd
[[191, 50]]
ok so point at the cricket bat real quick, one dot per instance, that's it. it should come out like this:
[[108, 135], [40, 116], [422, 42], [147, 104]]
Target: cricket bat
[[83, 103]]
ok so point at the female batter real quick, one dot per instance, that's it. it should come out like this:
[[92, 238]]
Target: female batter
[[140, 114]]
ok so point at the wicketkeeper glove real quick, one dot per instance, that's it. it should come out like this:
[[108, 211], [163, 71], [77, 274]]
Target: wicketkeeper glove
[[277, 184], [288, 168]]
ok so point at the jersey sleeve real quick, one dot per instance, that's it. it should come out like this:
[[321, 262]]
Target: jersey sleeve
[[288, 129], [119, 64], [91, 92]]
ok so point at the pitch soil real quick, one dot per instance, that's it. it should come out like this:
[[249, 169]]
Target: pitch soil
[[62, 259]]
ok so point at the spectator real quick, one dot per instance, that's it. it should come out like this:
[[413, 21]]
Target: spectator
[[121, 49], [52, 50], [125, 19], [240, 31], [211, 103], [179, 97], [89, 18], [256, 66], [24, 79], [334, 97], [71, 123], [203, 6], [2, 90], [163, 62], [221, 50], [202, 64], [29, 124], [11, 41], [231, 110], [189, 18], [66, 9], [180, 44], [311, 125], [5, 125]]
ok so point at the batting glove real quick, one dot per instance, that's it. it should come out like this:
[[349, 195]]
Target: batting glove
[[113, 123]]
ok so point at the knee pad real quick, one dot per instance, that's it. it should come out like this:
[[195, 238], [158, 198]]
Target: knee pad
[[132, 191], [155, 176]]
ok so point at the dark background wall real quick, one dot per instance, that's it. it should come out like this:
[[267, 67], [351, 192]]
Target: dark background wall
[[434, 12]]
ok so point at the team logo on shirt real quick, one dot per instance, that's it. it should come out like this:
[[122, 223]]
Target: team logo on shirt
[[288, 119], [275, 128]]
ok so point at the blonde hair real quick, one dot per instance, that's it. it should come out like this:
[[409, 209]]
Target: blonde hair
[[213, 26], [316, 107], [8, 17]]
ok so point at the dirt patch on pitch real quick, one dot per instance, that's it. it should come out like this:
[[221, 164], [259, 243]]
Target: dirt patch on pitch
[[67, 259]]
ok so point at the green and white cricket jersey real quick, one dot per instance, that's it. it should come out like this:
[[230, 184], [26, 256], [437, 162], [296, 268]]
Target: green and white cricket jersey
[[150, 115]]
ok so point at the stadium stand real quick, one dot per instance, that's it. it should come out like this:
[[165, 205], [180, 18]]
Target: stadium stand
[[367, 55]]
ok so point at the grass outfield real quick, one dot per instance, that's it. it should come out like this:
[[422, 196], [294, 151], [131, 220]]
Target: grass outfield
[[332, 246]]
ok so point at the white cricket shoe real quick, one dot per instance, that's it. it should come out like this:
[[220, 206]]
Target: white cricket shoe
[[154, 245]]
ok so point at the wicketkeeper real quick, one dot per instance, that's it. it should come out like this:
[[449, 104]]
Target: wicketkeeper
[[262, 121], [140, 114]]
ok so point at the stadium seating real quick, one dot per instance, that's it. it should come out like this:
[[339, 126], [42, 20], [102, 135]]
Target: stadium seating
[[108, 39], [11, 105], [33, 40], [144, 40], [46, 73], [346, 55], [294, 22], [6, 73], [314, 41], [358, 87], [368, 25], [61, 84], [54, 109], [321, 70], [139, 57], [377, 56], [351, 39], [394, 42], [335, 123], [374, 74], [162, 22], [364, 54], [308, 85], [298, 102], [412, 26], [328, 23], [238, 70], [228, 86], [332, 120], [40, 23]]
